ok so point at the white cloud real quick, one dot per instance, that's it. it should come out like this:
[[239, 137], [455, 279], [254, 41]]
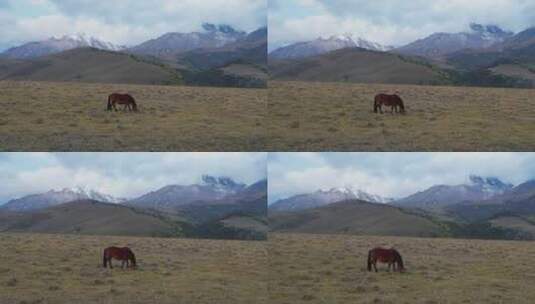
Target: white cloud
[[122, 22], [391, 22], [390, 174], [120, 174]]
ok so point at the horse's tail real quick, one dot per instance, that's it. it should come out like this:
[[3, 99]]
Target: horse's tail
[[104, 260], [109, 103], [370, 260]]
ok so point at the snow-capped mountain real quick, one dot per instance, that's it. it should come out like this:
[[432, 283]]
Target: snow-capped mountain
[[58, 44], [170, 44], [169, 197], [439, 44], [325, 197], [57, 197], [477, 189], [321, 46]]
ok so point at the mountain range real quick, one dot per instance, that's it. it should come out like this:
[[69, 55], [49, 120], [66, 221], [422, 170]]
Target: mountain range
[[57, 197], [219, 55], [484, 55], [322, 46], [477, 189], [214, 207], [56, 45], [439, 44], [324, 197], [484, 207], [171, 44]]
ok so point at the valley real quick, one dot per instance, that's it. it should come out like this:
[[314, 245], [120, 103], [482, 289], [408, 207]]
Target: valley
[[67, 116], [313, 116], [310, 268], [41, 268]]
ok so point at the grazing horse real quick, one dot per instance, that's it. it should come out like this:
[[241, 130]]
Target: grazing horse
[[393, 101], [386, 256], [125, 255], [122, 99]]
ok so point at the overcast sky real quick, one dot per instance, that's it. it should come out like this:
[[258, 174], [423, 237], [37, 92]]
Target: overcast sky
[[389, 174], [120, 174], [390, 22], [126, 22]]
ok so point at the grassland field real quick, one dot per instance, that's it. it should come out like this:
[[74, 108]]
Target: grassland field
[[308, 268], [308, 116], [39, 268], [55, 116]]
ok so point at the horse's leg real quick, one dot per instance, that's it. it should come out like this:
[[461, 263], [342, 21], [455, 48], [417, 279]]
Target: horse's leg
[[375, 266], [109, 261], [389, 266]]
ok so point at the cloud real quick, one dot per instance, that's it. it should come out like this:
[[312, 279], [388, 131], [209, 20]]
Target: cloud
[[120, 174], [122, 22], [390, 22], [389, 174]]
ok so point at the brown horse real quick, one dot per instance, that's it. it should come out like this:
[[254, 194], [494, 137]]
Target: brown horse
[[386, 256], [393, 101], [122, 99], [125, 255]]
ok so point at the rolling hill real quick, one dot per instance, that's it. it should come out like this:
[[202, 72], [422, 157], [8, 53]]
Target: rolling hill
[[357, 65], [89, 65], [94, 218], [512, 59], [355, 217]]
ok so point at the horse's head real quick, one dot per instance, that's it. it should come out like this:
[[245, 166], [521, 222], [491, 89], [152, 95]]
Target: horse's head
[[398, 260], [134, 105], [132, 258], [401, 104]]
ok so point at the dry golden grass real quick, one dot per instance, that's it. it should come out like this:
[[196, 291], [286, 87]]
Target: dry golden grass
[[41, 116], [68, 269], [336, 116], [332, 269]]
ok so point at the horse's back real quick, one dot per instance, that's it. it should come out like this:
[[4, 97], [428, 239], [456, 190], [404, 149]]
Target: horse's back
[[121, 97]]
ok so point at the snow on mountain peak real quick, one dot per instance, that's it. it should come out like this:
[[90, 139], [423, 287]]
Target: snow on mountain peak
[[222, 183], [489, 184]]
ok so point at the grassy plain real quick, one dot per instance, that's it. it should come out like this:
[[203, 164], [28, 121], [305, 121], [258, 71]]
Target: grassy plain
[[39, 268], [55, 116], [308, 268], [308, 116]]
